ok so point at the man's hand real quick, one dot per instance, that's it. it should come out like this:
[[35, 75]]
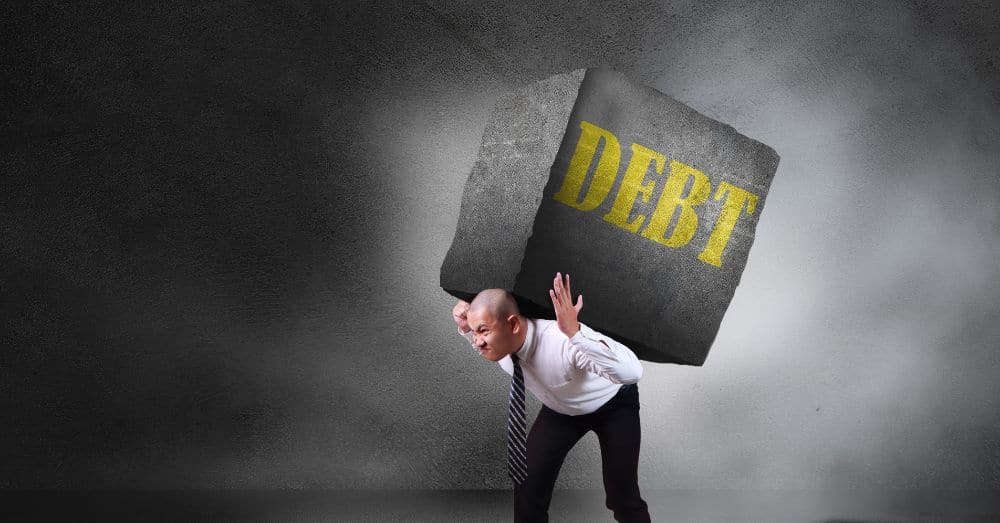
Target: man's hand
[[458, 313], [562, 302]]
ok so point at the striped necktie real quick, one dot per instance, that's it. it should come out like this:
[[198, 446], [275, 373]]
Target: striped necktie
[[516, 453]]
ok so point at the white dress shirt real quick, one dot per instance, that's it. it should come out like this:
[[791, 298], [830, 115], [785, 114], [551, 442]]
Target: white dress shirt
[[571, 376]]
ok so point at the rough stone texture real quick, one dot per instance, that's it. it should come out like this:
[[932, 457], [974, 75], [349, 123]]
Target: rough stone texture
[[662, 301], [505, 187]]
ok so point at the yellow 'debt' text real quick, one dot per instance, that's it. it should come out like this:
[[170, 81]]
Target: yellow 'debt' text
[[635, 185]]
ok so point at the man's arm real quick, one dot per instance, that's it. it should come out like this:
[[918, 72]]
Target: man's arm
[[458, 313], [602, 355], [591, 350]]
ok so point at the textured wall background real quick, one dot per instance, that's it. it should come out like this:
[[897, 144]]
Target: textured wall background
[[221, 230]]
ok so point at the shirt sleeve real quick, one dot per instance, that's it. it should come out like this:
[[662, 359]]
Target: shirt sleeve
[[601, 355]]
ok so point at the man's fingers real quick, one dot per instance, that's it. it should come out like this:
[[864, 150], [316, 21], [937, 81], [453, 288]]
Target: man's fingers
[[561, 294], [559, 303], [561, 289]]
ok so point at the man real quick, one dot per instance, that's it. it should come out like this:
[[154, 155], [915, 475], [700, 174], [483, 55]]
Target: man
[[585, 381]]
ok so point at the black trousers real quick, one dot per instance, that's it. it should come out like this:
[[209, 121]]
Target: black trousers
[[552, 436]]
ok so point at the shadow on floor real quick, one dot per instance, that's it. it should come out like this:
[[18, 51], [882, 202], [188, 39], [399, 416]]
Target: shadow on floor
[[576, 506]]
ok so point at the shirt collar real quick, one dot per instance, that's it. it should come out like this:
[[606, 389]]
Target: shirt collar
[[528, 347]]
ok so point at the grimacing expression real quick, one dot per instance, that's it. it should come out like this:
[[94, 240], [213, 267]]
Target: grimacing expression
[[495, 339]]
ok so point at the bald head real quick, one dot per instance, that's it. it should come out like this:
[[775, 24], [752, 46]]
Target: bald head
[[499, 328], [498, 303]]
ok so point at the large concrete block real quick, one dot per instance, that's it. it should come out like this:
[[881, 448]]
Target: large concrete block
[[650, 206]]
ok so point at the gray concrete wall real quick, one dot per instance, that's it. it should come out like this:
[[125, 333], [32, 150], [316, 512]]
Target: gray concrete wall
[[222, 229]]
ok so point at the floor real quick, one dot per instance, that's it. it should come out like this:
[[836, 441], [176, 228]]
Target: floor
[[577, 506]]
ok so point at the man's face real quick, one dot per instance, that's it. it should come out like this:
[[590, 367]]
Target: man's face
[[495, 338]]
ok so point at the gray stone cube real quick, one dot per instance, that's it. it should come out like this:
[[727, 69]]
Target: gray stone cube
[[650, 206]]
